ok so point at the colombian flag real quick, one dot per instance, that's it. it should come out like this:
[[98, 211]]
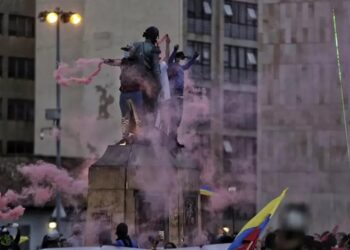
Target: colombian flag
[[206, 191], [249, 234]]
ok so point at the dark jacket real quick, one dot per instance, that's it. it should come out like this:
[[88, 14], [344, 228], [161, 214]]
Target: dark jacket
[[8, 243], [126, 242], [129, 78], [147, 54]]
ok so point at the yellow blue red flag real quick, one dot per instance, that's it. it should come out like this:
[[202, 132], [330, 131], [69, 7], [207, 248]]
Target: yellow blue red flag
[[247, 237], [206, 190]]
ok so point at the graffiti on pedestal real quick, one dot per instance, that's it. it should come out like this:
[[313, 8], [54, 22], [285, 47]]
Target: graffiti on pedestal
[[190, 211], [102, 216], [105, 100]]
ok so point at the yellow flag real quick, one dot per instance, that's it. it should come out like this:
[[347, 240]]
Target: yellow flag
[[268, 210], [23, 239]]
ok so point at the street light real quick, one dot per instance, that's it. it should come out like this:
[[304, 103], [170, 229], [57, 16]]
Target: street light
[[52, 225], [75, 19], [56, 17], [52, 17]]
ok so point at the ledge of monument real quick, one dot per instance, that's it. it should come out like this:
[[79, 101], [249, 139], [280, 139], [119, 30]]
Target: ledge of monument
[[115, 155], [138, 154]]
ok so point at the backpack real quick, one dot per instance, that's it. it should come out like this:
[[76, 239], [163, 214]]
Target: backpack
[[142, 54]]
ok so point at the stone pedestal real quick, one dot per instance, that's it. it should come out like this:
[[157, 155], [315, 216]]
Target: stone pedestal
[[123, 183]]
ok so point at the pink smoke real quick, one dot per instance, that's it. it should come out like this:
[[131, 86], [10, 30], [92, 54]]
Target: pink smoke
[[6, 212], [47, 175], [40, 195], [44, 179], [63, 75]]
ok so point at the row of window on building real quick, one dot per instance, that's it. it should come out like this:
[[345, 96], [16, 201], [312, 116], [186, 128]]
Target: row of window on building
[[240, 63], [17, 110], [18, 25], [239, 110], [240, 18], [17, 148], [239, 152], [18, 68]]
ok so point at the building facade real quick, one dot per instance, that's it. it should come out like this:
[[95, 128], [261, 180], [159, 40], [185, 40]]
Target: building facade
[[17, 99], [301, 136], [224, 32], [225, 35], [17, 52]]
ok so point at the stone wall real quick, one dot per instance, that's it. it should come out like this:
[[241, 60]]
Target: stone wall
[[301, 137]]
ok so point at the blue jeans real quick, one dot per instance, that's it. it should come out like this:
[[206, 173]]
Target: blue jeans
[[131, 104]]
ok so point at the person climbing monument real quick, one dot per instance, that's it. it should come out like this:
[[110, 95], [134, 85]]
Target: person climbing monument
[[147, 54], [131, 98], [162, 119], [124, 239], [177, 83]]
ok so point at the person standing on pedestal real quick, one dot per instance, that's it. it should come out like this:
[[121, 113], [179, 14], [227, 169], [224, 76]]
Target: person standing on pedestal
[[131, 98], [147, 55], [177, 83]]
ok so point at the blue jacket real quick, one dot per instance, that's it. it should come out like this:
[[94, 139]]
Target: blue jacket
[[177, 75], [120, 243]]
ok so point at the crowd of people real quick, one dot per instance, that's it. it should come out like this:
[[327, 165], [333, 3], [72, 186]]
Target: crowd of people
[[285, 238]]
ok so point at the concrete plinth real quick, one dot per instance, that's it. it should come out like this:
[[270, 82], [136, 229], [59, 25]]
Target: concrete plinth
[[145, 186]]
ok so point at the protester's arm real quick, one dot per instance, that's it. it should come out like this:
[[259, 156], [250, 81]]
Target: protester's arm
[[173, 54], [190, 62], [112, 62], [167, 48]]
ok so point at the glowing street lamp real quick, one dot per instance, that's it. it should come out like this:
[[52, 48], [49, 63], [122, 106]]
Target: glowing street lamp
[[226, 229], [52, 225], [75, 19], [52, 17]]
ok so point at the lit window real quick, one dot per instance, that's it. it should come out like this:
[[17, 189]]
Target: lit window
[[252, 14], [199, 14], [240, 20], [240, 65], [242, 159], [228, 10], [228, 147], [251, 58], [207, 8], [206, 53]]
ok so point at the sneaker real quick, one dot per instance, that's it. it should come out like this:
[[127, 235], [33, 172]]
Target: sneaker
[[123, 142]]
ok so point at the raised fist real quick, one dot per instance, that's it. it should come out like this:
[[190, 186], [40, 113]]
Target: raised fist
[[167, 38], [176, 47], [196, 54]]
